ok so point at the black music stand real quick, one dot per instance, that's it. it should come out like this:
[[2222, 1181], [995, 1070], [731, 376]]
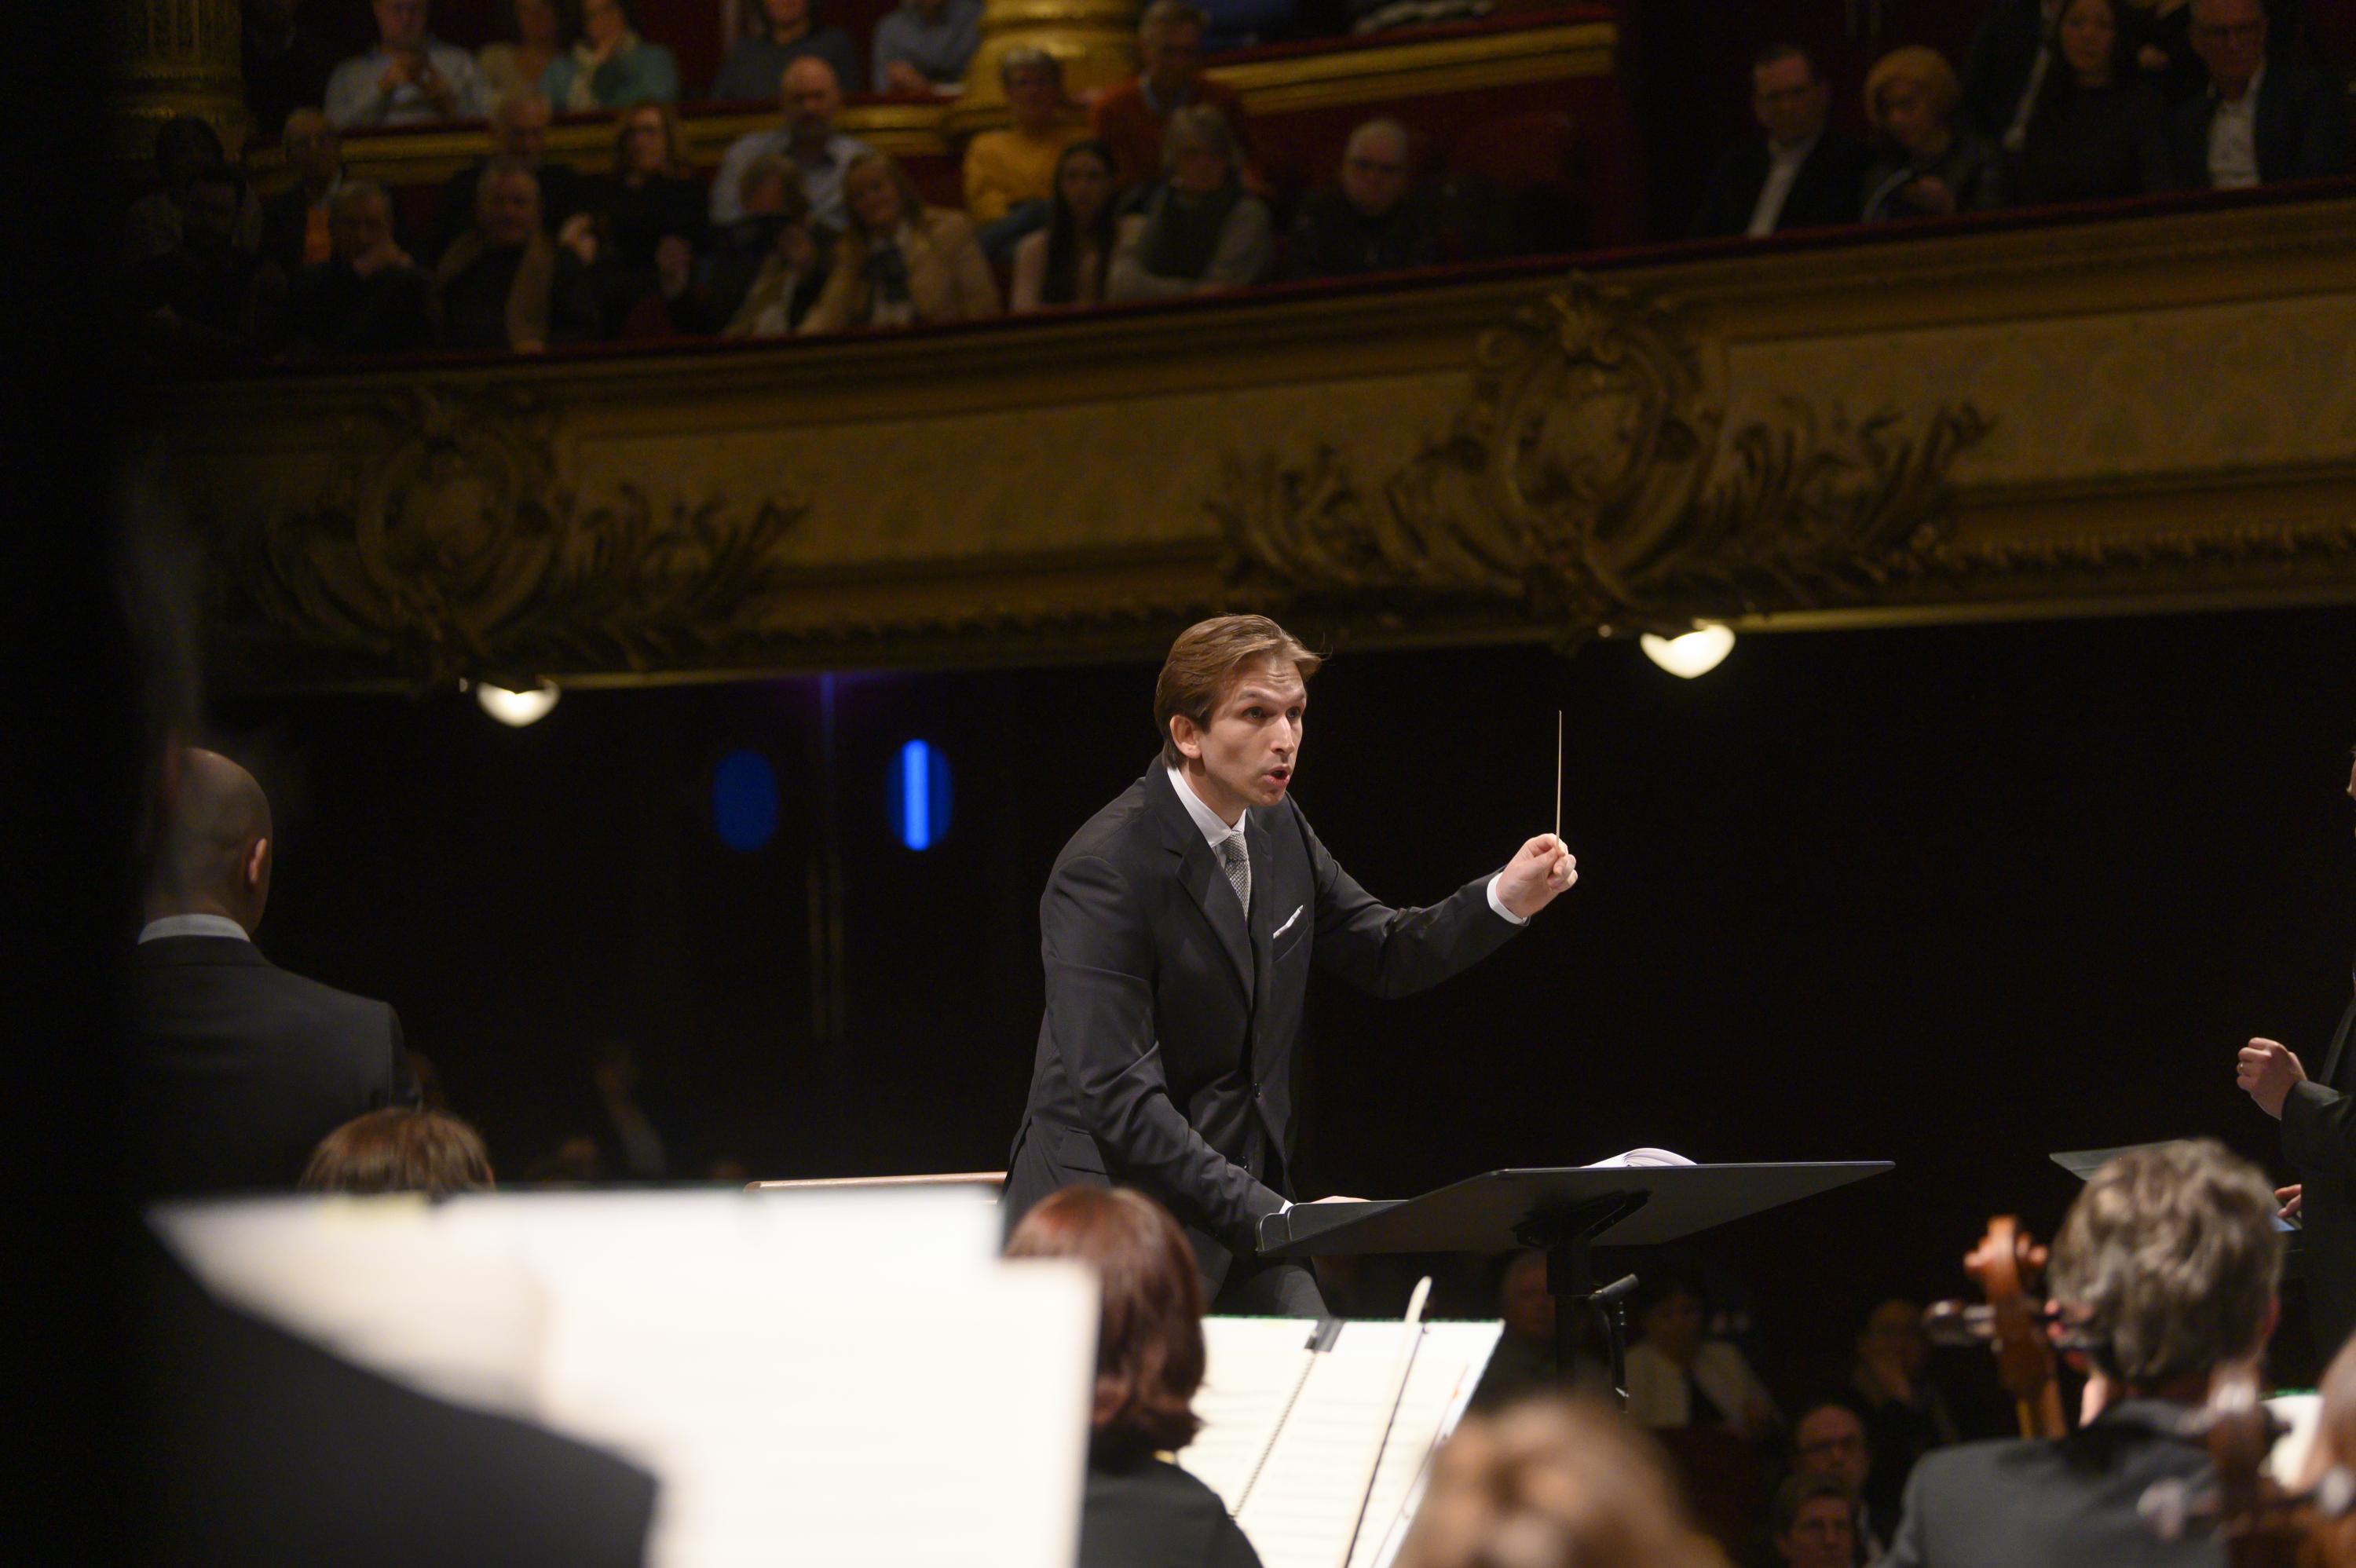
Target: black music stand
[[2082, 1163], [1565, 1212]]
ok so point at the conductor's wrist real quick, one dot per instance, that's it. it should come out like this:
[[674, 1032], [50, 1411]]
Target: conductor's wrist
[[1498, 904]]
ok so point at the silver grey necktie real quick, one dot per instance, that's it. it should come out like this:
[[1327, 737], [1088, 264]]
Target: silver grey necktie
[[1239, 865]]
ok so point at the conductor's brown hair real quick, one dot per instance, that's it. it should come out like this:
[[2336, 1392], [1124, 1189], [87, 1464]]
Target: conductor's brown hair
[[1150, 1337], [400, 1150], [1205, 662]]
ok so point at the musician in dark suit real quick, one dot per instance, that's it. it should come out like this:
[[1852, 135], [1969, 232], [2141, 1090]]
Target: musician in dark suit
[[2318, 1126], [241, 1068], [1177, 930], [2262, 117], [1805, 174], [2167, 1266]]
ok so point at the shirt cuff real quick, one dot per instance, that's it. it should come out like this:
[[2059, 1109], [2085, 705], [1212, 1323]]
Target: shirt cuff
[[1498, 904]]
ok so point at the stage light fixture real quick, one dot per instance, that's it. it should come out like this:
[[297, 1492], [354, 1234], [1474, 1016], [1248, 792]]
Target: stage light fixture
[[516, 708], [920, 795], [1697, 652]]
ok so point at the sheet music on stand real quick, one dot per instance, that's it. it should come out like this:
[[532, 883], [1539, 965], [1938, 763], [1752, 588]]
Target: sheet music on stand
[[1290, 1411]]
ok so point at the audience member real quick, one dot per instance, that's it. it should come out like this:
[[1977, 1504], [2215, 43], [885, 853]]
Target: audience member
[[2263, 118], [1200, 232], [1805, 174], [207, 301], [809, 96], [645, 223], [2165, 1268], [504, 283], [1552, 1484], [1138, 1507], [1066, 262], [400, 1149], [1130, 118], [284, 59], [611, 67], [2011, 55], [239, 1068], [369, 297], [922, 45], [1812, 1522], [1524, 1362], [411, 77], [765, 285], [1375, 220], [2097, 129], [1935, 166], [518, 135], [539, 39], [784, 31], [900, 263], [1676, 1376], [295, 224], [1829, 1443], [1905, 1413], [151, 226], [1009, 174]]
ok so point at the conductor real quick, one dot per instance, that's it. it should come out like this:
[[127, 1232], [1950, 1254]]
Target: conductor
[[1177, 930]]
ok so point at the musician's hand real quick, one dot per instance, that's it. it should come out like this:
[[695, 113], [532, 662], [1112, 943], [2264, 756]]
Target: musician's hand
[[2289, 1197], [2266, 1070], [1542, 869]]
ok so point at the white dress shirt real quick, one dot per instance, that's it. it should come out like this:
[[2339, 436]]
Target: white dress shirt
[[2234, 138], [1783, 168], [193, 925]]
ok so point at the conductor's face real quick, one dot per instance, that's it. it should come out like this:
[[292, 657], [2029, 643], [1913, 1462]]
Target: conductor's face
[[1247, 754]]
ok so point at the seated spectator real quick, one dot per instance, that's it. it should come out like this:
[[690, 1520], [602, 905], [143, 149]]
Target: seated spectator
[[1679, 1377], [1905, 1414], [1010, 175], [1805, 174], [1139, 1507], [1066, 262], [2261, 118], [206, 301], [645, 224], [401, 1150], [1202, 232], [1523, 1361], [1829, 1446], [295, 224], [900, 263], [504, 283], [2097, 129], [611, 67], [411, 77], [284, 59], [1552, 1484], [809, 95], [784, 32], [518, 135], [922, 45], [776, 245], [1130, 118], [510, 67], [2166, 1266], [1933, 166], [151, 226], [1375, 221], [369, 297], [238, 1068], [1812, 1522]]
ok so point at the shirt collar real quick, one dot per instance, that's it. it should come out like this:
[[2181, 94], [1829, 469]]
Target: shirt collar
[[1797, 153], [2249, 94], [1214, 832], [193, 925]]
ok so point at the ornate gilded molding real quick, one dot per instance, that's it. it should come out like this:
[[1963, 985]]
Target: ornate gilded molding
[[1584, 481], [449, 550]]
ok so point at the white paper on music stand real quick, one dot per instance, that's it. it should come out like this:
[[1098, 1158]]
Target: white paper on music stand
[[1640, 1159]]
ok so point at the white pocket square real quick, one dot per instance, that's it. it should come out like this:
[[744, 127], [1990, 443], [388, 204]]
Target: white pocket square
[[1280, 930]]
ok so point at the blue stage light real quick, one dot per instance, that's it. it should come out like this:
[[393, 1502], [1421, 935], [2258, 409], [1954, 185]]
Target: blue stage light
[[744, 800], [920, 795]]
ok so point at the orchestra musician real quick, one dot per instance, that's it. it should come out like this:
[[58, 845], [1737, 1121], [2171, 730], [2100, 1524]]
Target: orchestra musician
[[2165, 1268], [1177, 930]]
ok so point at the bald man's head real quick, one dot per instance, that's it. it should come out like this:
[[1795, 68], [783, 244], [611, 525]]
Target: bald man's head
[[215, 858]]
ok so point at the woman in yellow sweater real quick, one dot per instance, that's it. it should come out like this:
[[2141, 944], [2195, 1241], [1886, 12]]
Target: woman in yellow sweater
[[1010, 175]]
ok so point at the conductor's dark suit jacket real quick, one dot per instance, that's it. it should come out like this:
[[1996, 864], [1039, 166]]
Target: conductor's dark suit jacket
[[1826, 191], [2318, 1123], [241, 1068], [2067, 1503], [2302, 131], [1166, 1058]]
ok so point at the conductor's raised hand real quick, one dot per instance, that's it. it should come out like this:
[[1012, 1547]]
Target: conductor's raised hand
[[1539, 870], [2266, 1070]]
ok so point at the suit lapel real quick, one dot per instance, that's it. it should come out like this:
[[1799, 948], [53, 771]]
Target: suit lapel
[[1200, 874], [2337, 1055], [1266, 894]]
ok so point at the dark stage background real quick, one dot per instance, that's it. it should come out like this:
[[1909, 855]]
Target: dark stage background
[[1954, 897]]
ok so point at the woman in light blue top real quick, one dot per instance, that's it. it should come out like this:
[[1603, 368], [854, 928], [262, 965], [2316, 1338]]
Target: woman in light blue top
[[611, 67]]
